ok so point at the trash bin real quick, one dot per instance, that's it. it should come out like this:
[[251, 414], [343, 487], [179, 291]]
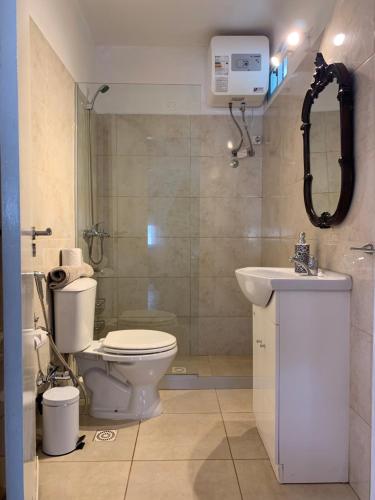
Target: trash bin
[[60, 420]]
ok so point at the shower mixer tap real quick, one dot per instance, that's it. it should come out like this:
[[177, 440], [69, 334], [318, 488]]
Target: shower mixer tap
[[95, 232]]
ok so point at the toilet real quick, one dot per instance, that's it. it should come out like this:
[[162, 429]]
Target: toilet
[[121, 371]]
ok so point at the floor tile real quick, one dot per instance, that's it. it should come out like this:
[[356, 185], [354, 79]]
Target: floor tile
[[258, 482], [195, 365], [235, 400], [120, 449], [182, 437], [243, 437], [231, 366], [204, 401], [183, 480], [83, 481]]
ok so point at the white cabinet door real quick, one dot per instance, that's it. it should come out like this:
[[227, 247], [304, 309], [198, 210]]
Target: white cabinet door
[[265, 333]]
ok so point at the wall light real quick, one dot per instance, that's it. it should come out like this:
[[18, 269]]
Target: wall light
[[339, 39], [293, 39], [230, 145], [275, 61]]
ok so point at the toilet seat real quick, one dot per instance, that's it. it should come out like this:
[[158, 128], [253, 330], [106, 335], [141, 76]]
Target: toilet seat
[[138, 342]]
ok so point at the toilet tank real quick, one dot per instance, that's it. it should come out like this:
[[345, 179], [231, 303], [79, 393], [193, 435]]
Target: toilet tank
[[74, 312]]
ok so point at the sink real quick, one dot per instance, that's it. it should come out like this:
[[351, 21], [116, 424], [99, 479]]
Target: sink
[[259, 283]]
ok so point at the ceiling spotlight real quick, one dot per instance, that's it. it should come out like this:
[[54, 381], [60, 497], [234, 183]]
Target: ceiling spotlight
[[293, 39], [339, 39], [275, 61]]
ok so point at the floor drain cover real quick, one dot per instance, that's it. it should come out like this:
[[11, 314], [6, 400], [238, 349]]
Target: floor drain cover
[[107, 435], [179, 370]]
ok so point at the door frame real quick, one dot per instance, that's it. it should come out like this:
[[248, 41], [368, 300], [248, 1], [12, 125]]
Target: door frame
[[11, 251]]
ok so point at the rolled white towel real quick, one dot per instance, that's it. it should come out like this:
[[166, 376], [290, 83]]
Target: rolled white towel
[[61, 276]]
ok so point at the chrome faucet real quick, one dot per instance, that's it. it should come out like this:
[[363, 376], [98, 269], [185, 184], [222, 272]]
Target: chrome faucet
[[311, 268], [95, 232]]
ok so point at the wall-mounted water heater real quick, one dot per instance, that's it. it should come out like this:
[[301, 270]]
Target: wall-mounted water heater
[[239, 70]]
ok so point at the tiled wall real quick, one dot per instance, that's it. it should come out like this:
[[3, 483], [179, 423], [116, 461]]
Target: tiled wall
[[325, 150], [52, 150], [284, 214], [182, 221]]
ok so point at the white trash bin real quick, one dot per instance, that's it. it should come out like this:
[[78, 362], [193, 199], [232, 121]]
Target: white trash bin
[[60, 420]]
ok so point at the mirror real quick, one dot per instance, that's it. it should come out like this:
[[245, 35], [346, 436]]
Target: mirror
[[327, 125]]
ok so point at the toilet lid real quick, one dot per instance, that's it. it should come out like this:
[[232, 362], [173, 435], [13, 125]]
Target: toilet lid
[[138, 341]]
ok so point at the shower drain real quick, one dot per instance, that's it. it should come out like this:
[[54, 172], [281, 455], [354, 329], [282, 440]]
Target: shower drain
[[107, 435], [178, 370]]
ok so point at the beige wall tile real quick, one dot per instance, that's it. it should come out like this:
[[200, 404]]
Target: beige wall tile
[[357, 21], [153, 135], [222, 256], [222, 335], [105, 142], [212, 176], [226, 217], [360, 373], [164, 257], [107, 289], [166, 294], [219, 296], [210, 134], [360, 453], [169, 216]]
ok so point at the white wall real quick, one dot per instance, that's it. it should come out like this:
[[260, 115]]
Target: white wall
[[155, 65], [67, 32]]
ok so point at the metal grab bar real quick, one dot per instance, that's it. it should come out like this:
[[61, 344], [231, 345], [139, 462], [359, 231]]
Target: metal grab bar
[[369, 249]]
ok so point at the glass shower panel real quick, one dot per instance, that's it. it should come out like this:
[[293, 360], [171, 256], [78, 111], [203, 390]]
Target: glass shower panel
[[179, 219]]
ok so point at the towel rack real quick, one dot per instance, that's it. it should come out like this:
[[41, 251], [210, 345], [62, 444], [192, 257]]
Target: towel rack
[[369, 249]]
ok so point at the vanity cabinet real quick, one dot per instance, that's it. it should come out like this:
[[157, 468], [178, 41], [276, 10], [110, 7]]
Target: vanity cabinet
[[301, 384]]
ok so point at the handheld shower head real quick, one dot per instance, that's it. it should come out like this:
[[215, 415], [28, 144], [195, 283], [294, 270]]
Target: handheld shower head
[[101, 90]]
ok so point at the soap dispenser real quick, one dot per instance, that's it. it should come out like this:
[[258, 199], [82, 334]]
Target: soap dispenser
[[302, 253]]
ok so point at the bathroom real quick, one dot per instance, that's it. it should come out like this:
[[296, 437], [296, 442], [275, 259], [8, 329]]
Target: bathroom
[[115, 139]]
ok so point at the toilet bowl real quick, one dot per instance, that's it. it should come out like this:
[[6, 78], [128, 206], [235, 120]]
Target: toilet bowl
[[122, 370]]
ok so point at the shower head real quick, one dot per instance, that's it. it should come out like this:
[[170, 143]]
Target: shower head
[[101, 90]]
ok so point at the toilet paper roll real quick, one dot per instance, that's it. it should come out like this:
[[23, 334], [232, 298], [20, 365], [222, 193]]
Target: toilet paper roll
[[71, 257]]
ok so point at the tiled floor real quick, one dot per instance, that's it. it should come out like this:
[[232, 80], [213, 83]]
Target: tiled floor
[[206, 366], [205, 446]]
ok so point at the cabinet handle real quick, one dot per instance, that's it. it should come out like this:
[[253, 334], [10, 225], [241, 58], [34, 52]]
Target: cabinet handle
[[259, 341], [262, 345]]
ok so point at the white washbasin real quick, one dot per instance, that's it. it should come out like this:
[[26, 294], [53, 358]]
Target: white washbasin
[[258, 283]]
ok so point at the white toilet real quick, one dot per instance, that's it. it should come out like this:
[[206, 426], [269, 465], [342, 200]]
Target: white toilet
[[120, 371]]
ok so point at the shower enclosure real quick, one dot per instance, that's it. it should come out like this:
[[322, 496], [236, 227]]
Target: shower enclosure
[[165, 221]]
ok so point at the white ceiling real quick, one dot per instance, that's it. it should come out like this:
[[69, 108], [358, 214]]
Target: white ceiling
[[194, 22]]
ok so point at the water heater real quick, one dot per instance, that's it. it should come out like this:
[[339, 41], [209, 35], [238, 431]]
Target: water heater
[[239, 70]]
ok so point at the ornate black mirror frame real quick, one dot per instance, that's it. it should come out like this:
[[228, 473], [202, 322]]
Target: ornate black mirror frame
[[323, 76]]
